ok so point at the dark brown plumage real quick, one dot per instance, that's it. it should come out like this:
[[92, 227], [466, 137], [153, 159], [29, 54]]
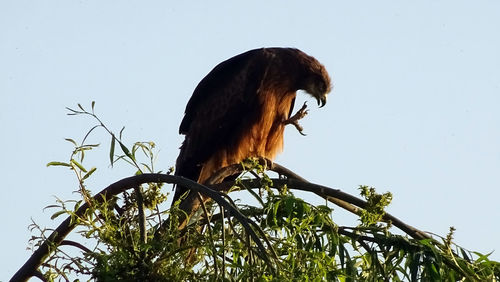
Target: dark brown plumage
[[240, 108]]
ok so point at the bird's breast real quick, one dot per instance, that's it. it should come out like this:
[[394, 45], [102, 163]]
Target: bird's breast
[[263, 138]]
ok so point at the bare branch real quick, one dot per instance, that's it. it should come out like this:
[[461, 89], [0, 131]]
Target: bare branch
[[76, 244]]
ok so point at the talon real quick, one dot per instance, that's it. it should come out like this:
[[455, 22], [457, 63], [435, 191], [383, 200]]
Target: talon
[[267, 163], [294, 120]]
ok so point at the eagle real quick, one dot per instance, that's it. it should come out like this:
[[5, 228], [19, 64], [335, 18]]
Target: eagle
[[240, 110]]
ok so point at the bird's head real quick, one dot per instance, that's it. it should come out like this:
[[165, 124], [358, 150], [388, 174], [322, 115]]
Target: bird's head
[[315, 80], [318, 86]]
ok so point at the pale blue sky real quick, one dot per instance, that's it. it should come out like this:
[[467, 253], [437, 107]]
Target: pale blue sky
[[414, 110]]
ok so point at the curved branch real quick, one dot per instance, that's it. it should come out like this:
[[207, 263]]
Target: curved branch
[[329, 193], [336, 196], [344, 200], [39, 275], [75, 244], [31, 265]]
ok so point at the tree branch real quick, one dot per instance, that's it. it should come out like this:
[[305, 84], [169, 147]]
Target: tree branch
[[141, 215], [75, 244], [294, 181], [31, 265]]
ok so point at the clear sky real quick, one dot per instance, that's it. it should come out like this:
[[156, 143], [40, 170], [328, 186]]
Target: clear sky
[[414, 109]]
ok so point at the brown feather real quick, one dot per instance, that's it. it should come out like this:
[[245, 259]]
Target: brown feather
[[239, 110]]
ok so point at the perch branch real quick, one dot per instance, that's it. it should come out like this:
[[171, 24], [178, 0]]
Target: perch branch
[[30, 267], [336, 196]]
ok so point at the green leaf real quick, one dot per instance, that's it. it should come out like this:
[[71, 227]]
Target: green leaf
[[112, 150], [147, 167], [482, 257], [56, 214], [80, 106], [77, 205], [90, 131], [58, 164], [78, 165], [71, 140], [341, 256], [121, 131], [255, 195], [275, 213], [73, 112], [289, 204], [433, 271], [89, 173], [93, 104], [126, 151], [464, 255]]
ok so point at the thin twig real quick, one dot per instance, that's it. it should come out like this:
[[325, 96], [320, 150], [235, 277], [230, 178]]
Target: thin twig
[[257, 227], [76, 244], [214, 249], [141, 216], [223, 245]]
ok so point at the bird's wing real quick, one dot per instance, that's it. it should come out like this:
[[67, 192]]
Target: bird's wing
[[223, 105]]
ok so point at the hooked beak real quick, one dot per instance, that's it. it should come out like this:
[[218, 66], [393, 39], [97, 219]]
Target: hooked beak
[[321, 101]]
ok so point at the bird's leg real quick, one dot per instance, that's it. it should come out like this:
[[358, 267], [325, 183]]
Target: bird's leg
[[267, 163], [302, 112]]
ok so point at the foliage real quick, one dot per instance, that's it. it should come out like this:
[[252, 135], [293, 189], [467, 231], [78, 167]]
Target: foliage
[[134, 236]]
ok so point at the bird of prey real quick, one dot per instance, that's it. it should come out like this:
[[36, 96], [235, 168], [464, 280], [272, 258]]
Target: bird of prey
[[240, 110]]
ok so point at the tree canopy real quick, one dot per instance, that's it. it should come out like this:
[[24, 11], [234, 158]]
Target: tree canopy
[[264, 232]]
